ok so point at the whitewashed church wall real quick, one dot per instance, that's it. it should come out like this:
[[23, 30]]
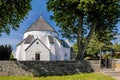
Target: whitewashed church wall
[[66, 53], [38, 48], [62, 53], [52, 49], [17, 52], [37, 34], [42, 35], [20, 53], [57, 50], [24, 53]]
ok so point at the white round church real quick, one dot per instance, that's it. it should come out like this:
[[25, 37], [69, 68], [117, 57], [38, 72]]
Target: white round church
[[41, 42]]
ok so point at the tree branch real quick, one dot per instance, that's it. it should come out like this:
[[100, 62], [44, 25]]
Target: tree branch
[[85, 44], [92, 30]]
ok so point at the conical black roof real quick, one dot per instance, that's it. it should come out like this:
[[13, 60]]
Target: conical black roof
[[40, 25]]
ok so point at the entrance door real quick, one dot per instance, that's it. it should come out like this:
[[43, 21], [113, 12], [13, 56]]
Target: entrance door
[[37, 56]]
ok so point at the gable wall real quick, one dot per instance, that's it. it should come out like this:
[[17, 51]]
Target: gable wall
[[35, 48]]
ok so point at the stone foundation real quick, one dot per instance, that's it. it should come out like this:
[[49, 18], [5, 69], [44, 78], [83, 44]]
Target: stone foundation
[[46, 68]]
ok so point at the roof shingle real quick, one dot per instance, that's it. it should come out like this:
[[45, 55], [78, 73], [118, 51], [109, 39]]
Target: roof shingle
[[41, 25]]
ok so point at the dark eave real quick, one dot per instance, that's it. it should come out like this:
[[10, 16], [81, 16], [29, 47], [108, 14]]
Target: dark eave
[[29, 39]]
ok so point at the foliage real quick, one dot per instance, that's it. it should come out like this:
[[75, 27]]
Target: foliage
[[80, 19], [5, 52], [117, 56], [11, 57], [116, 47], [104, 56], [75, 48], [12, 12], [85, 76], [94, 46]]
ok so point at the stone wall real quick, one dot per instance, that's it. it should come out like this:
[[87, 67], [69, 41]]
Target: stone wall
[[46, 68], [116, 64]]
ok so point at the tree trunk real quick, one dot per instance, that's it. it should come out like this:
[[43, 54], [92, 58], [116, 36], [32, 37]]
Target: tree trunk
[[79, 37], [92, 30], [83, 46]]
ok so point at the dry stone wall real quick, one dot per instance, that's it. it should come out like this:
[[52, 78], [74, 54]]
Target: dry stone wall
[[46, 68]]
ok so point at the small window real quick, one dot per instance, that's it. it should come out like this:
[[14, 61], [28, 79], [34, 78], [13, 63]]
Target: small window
[[37, 42], [65, 54], [37, 56], [51, 40]]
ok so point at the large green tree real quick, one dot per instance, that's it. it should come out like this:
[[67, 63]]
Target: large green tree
[[12, 12], [79, 19]]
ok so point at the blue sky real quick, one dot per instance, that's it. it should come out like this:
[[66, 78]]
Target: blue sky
[[38, 7]]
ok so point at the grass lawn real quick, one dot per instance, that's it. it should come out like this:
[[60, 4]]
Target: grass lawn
[[84, 76]]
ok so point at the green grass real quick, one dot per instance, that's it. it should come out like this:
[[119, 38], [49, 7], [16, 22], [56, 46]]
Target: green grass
[[84, 76]]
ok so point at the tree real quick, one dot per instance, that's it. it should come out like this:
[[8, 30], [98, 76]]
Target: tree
[[79, 19], [94, 46], [75, 48], [12, 12], [5, 52]]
